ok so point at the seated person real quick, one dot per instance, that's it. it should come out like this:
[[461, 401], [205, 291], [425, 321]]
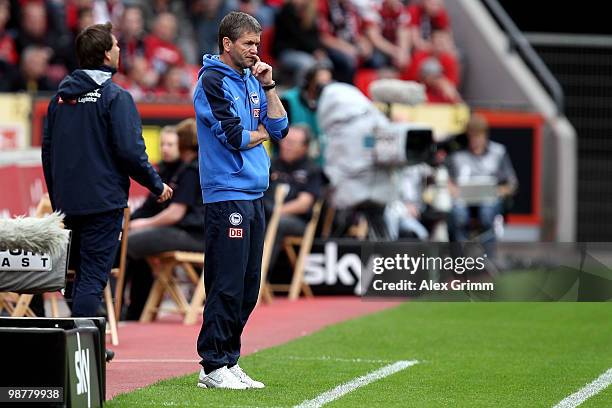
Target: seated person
[[388, 29], [300, 103], [437, 68], [403, 215], [178, 227], [170, 162], [426, 16], [482, 159], [346, 46], [293, 167], [297, 45]]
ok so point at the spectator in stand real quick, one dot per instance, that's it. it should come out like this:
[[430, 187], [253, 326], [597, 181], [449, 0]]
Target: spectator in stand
[[33, 28], [85, 19], [175, 85], [339, 25], [160, 49], [301, 101], [438, 69], [389, 33], [426, 16], [36, 30], [8, 50], [297, 44], [32, 74], [71, 13], [140, 79], [184, 38], [262, 13], [206, 17], [293, 167], [131, 39], [107, 10], [178, 227]]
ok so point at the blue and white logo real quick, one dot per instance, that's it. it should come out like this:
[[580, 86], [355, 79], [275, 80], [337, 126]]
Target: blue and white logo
[[235, 218], [254, 98]]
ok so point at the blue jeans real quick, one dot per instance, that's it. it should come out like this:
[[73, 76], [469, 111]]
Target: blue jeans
[[460, 218], [459, 223]]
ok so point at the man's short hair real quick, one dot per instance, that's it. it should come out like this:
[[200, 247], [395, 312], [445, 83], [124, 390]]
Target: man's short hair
[[187, 135], [477, 124], [235, 24], [92, 43]]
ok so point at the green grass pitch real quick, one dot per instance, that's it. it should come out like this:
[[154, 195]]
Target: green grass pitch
[[470, 355]]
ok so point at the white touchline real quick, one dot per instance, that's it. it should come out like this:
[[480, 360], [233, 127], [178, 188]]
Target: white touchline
[[152, 360], [339, 360], [587, 391], [345, 388]]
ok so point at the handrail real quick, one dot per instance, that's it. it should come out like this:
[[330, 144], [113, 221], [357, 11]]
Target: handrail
[[519, 43]]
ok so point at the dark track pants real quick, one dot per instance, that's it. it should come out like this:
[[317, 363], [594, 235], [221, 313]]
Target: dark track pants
[[92, 252], [232, 268]]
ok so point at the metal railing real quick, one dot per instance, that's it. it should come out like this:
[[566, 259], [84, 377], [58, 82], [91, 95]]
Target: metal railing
[[519, 43]]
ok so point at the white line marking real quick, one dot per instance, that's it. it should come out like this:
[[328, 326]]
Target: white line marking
[[339, 360], [587, 391], [151, 360], [350, 386], [183, 360]]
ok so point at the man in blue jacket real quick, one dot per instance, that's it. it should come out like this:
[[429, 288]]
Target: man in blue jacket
[[92, 145], [237, 109]]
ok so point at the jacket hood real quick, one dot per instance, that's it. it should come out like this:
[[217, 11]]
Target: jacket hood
[[82, 81], [213, 62]]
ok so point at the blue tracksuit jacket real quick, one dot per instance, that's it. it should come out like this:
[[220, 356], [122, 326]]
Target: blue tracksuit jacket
[[228, 106]]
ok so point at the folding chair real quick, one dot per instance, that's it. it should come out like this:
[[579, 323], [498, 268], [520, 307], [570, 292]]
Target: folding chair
[[166, 282], [113, 309], [265, 293], [15, 304], [298, 261]]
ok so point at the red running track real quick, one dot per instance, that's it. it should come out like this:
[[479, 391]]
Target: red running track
[[149, 352]]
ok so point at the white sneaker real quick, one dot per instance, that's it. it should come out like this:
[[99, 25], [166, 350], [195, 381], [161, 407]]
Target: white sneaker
[[244, 377], [220, 378]]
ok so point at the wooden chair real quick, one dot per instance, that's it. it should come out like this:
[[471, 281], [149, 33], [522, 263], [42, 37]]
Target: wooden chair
[[16, 305], [265, 292], [113, 309], [298, 261], [163, 266]]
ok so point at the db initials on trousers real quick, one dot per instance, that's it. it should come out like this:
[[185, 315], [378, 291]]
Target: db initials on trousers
[[234, 235]]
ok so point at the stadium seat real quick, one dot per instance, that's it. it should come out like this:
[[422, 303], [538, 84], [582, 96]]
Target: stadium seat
[[363, 78], [265, 46]]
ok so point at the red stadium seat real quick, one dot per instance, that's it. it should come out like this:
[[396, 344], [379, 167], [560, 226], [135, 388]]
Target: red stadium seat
[[363, 78]]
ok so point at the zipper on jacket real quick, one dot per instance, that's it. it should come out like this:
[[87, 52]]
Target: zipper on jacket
[[248, 98]]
